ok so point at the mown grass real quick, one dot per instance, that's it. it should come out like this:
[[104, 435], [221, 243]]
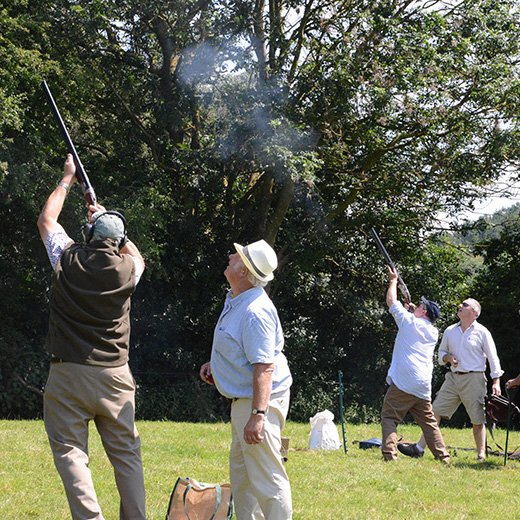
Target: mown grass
[[325, 485]]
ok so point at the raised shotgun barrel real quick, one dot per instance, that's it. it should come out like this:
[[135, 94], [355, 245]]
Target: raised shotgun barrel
[[81, 174], [400, 283]]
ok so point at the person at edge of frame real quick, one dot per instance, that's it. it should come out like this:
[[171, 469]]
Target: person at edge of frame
[[248, 367], [513, 383], [88, 340], [465, 346], [410, 373]]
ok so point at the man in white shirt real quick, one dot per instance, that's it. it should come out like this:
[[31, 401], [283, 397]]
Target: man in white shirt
[[410, 374], [465, 346]]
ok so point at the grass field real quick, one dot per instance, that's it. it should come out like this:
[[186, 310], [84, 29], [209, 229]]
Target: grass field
[[325, 485]]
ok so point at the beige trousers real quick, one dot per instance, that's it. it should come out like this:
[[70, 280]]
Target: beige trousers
[[74, 395], [395, 407], [259, 482], [469, 389]]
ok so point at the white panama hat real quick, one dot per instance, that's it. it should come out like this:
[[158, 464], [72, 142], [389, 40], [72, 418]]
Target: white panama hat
[[259, 258]]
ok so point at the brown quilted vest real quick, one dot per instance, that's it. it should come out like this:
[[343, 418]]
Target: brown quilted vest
[[89, 319]]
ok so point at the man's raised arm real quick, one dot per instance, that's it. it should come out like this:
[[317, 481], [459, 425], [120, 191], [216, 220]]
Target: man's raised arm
[[48, 219]]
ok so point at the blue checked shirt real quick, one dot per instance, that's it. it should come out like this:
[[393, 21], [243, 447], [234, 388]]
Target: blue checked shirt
[[58, 241]]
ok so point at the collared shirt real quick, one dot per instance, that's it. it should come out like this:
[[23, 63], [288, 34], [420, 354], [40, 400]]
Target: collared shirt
[[471, 347], [412, 359], [248, 331], [57, 242]]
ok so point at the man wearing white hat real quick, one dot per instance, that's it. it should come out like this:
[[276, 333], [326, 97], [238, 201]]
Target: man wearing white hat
[[248, 366]]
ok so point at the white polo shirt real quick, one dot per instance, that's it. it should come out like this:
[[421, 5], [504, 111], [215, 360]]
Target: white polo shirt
[[412, 359]]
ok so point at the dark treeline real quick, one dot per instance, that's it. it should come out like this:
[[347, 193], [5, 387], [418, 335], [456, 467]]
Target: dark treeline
[[304, 123]]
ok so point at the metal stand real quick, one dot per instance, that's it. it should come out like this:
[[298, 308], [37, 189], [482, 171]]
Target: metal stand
[[508, 423], [342, 410]]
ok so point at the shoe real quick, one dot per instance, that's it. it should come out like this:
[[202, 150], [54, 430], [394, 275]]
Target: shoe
[[410, 450], [481, 458]]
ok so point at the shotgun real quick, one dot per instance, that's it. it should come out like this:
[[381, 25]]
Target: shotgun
[[400, 283], [81, 174]]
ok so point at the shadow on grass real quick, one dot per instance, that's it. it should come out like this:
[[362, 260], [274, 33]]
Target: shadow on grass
[[494, 460], [486, 465]]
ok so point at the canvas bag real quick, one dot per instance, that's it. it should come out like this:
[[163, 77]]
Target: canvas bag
[[193, 500], [324, 435], [497, 408]]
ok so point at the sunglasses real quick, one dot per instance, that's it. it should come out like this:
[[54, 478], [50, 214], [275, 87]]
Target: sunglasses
[[466, 305]]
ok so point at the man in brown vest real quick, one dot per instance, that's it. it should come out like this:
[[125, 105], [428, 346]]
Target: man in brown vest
[[88, 340]]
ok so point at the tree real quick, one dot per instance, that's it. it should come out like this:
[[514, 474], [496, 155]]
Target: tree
[[496, 288], [210, 122], [21, 258]]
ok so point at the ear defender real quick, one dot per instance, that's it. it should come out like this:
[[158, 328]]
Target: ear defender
[[89, 229]]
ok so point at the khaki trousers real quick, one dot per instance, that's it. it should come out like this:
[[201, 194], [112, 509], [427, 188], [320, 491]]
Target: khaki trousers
[[395, 407], [74, 395], [259, 482], [469, 389]]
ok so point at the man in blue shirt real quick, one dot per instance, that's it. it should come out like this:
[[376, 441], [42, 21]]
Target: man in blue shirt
[[410, 374], [248, 366]]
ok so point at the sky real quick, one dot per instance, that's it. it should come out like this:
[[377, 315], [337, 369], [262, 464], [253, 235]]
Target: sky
[[488, 205], [492, 204]]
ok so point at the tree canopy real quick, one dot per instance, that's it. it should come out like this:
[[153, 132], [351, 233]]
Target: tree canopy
[[211, 122]]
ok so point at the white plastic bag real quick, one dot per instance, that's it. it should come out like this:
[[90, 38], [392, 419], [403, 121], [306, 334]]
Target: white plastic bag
[[324, 435]]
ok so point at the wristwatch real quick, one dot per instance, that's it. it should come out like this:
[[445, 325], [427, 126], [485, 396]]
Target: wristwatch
[[255, 411], [64, 185]]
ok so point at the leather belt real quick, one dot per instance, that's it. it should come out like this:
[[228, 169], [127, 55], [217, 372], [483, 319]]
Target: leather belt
[[469, 372]]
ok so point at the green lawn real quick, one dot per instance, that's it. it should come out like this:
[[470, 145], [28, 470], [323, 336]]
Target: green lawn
[[325, 485]]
